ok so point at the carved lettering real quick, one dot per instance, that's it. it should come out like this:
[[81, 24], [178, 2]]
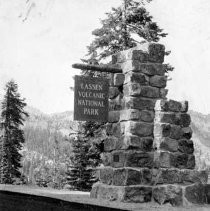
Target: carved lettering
[[90, 111], [91, 99], [95, 87]]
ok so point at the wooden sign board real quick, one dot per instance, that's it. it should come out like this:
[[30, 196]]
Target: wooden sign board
[[91, 99]]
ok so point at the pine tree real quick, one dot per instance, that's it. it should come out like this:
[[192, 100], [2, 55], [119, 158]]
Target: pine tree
[[12, 118], [123, 28], [85, 157], [120, 27]]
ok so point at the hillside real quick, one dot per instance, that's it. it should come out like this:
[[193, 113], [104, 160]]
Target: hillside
[[45, 132], [47, 143], [63, 123], [200, 125], [47, 146], [58, 121]]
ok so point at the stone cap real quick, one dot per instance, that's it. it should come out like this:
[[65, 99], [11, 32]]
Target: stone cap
[[147, 52], [171, 105]]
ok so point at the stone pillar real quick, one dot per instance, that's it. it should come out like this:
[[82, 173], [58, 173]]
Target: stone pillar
[[129, 155], [148, 152], [175, 180]]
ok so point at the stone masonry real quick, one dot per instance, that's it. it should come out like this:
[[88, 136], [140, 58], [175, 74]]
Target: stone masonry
[[148, 152], [174, 178]]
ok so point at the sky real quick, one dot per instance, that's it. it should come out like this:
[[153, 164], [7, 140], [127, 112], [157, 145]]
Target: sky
[[41, 39]]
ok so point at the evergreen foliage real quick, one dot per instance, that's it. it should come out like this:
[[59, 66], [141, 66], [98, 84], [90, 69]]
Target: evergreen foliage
[[12, 118], [120, 27], [86, 156]]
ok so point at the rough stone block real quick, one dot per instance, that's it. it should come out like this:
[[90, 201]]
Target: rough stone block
[[167, 176], [147, 116], [186, 146], [169, 144], [114, 116], [113, 129], [139, 194], [184, 119], [107, 192], [139, 159], [129, 114], [141, 143], [106, 159], [185, 106], [173, 145], [118, 159], [152, 52], [168, 130], [163, 93], [176, 160], [138, 55], [132, 77], [131, 142], [116, 103], [187, 132], [139, 103], [119, 79], [194, 176], [132, 89], [136, 194], [130, 65], [120, 177], [195, 194], [106, 175], [113, 92], [171, 105], [162, 130], [135, 54], [161, 105], [176, 132], [149, 69], [112, 143], [174, 105], [146, 176], [152, 69], [130, 54], [168, 194], [139, 128], [158, 81], [165, 117], [156, 51], [148, 91], [179, 176], [126, 176]]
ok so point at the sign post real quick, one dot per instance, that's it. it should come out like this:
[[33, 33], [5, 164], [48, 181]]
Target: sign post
[[91, 99]]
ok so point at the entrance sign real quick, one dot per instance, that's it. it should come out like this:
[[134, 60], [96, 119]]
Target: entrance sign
[[91, 99]]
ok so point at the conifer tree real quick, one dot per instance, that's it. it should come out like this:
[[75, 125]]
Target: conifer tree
[[119, 28], [12, 118], [85, 158], [124, 27]]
